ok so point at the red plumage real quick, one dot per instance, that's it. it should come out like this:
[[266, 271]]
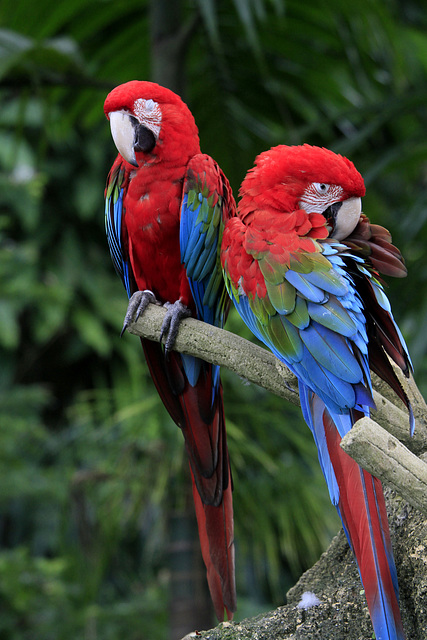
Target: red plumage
[[302, 265], [364, 516], [153, 192], [149, 239], [274, 184]]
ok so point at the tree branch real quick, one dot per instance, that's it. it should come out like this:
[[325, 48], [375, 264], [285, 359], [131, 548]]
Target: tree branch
[[257, 365], [385, 457]]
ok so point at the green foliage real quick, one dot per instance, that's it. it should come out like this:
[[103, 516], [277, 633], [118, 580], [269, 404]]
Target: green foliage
[[91, 465]]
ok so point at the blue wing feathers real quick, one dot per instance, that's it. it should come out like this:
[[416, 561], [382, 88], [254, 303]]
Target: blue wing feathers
[[333, 315], [332, 351], [329, 281], [194, 254], [113, 228], [305, 287], [300, 316], [337, 394], [323, 339], [200, 237]]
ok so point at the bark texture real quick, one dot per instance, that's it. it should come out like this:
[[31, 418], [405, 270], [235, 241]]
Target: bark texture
[[342, 613]]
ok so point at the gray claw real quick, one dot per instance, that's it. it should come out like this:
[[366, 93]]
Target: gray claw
[[136, 307], [176, 312]]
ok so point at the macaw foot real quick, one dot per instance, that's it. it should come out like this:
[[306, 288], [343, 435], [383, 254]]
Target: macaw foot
[[176, 312], [137, 305]]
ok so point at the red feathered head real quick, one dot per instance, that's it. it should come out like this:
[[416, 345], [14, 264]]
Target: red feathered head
[[146, 118]]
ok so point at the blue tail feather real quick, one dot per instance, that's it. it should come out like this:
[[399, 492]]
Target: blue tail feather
[[359, 500]]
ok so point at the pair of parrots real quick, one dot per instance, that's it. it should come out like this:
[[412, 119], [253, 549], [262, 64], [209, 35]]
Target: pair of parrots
[[301, 263]]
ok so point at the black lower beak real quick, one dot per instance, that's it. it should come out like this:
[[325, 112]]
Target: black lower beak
[[331, 213], [144, 140]]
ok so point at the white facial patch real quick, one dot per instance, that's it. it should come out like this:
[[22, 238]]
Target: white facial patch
[[148, 114], [319, 196]]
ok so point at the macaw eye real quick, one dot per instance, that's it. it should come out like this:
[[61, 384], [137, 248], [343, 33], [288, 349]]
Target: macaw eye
[[321, 187]]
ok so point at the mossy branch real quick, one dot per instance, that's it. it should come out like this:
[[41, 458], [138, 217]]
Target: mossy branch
[[385, 457]]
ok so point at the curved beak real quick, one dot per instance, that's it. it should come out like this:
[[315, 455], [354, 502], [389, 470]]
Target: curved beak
[[123, 132], [346, 218]]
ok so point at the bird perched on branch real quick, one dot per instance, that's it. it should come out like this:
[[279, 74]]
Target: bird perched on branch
[[302, 263], [166, 204]]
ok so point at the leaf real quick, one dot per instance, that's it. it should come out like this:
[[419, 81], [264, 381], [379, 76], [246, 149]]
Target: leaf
[[9, 328], [91, 331]]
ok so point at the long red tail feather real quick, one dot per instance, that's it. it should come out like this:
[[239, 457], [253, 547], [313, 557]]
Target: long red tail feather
[[217, 543], [363, 513], [200, 415]]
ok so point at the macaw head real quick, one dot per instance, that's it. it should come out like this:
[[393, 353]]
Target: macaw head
[[149, 120], [304, 177]]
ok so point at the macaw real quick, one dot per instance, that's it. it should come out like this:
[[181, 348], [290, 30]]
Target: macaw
[[166, 204], [301, 263]]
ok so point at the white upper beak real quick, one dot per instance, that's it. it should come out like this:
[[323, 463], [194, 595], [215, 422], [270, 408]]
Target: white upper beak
[[347, 218], [123, 133]]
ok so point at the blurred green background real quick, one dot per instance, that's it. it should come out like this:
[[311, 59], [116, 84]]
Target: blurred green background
[[94, 505]]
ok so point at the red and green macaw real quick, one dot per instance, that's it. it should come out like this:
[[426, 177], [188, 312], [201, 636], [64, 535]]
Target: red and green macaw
[[166, 204], [301, 263]]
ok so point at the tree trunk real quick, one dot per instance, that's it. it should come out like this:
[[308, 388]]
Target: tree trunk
[[169, 42]]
